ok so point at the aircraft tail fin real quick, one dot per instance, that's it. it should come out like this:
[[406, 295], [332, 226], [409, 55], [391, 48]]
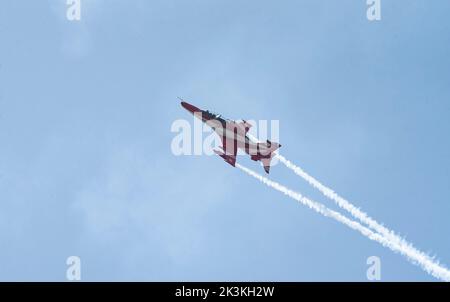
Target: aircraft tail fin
[[272, 146]]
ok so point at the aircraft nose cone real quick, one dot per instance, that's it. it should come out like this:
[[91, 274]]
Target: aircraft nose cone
[[189, 107], [185, 105]]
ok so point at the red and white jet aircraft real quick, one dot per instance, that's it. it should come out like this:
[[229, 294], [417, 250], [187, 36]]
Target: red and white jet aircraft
[[234, 136]]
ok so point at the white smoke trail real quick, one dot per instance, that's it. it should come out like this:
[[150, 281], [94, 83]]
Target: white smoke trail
[[412, 254], [354, 211], [341, 202]]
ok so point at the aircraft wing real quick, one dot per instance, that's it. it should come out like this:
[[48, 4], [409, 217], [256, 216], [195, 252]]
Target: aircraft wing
[[229, 147]]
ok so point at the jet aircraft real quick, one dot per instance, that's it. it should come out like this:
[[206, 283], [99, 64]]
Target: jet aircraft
[[234, 136]]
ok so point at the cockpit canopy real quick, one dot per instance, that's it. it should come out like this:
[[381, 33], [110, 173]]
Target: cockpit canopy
[[216, 115]]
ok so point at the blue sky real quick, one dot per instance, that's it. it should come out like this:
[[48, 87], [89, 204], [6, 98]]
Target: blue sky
[[86, 108]]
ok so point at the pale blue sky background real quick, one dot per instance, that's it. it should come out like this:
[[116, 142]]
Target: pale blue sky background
[[85, 116]]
